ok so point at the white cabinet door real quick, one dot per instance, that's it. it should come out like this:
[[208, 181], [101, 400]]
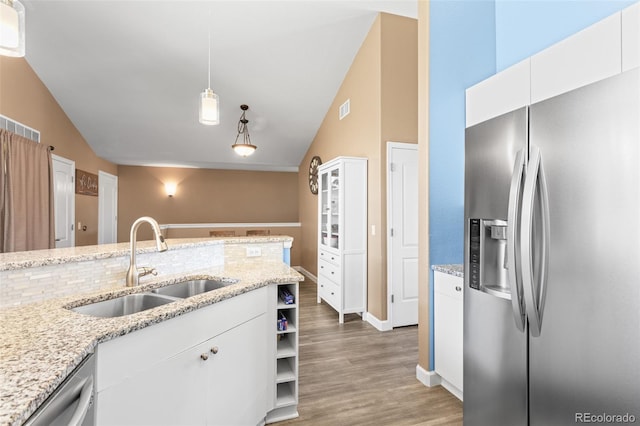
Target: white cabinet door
[[588, 56], [448, 328], [222, 381], [172, 392], [237, 375], [167, 373], [631, 37]]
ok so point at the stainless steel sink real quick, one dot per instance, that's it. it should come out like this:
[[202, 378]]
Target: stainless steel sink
[[190, 288], [124, 305]]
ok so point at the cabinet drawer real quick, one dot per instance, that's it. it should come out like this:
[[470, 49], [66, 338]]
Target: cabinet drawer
[[330, 271], [330, 292], [329, 257], [448, 285]]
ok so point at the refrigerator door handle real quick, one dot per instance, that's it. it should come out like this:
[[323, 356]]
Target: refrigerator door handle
[[535, 287], [513, 214]]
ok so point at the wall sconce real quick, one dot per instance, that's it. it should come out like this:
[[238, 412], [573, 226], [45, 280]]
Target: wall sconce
[[170, 188]]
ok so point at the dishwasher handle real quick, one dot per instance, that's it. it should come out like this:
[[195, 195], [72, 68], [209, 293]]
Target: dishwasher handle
[[86, 394], [72, 403]]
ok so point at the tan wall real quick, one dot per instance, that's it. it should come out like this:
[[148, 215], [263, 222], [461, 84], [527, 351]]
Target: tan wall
[[356, 135], [423, 184], [205, 196], [399, 106], [384, 70], [24, 98]]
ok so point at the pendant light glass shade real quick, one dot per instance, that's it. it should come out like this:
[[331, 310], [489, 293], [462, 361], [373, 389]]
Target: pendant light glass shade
[[245, 148], [12, 28], [209, 108]]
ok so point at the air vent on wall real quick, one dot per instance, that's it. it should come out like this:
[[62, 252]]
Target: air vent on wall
[[345, 109], [19, 128]]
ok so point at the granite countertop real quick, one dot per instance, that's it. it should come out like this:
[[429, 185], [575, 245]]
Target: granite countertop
[[41, 343], [34, 258], [456, 270]]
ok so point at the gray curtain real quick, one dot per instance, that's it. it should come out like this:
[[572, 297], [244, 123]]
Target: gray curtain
[[26, 194]]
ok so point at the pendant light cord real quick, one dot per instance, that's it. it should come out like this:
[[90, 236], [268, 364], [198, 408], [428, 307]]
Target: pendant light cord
[[209, 39]]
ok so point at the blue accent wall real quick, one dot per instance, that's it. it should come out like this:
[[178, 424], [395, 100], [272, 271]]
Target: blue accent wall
[[462, 53], [471, 40]]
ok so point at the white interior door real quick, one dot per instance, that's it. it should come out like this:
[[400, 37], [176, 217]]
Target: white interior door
[[64, 200], [107, 208], [402, 222]]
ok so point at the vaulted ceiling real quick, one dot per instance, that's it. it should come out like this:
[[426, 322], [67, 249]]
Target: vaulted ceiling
[[129, 73]]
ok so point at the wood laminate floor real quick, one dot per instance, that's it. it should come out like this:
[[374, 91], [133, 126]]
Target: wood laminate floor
[[353, 374]]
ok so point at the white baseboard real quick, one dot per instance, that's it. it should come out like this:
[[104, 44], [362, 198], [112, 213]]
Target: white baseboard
[[431, 378], [378, 324], [451, 388], [427, 378], [306, 273]]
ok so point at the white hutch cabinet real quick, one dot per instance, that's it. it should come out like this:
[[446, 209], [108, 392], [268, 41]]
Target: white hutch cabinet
[[342, 235]]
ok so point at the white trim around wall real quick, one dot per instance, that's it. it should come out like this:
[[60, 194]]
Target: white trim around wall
[[230, 225], [370, 318], [427, 378], [377, 323], [306, 273]]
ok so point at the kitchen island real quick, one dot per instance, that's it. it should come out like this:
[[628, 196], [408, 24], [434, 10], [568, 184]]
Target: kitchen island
[[42, 342]]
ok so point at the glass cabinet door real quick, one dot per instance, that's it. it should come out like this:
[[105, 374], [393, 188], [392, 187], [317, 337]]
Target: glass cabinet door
[[334, 238], [330, 208], [325, 224]]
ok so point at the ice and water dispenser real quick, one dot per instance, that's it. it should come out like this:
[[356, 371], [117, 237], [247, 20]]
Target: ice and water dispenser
[[488, 257]]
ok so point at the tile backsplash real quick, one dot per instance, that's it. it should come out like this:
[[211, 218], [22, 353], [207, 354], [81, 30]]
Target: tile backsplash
[[27, 285]]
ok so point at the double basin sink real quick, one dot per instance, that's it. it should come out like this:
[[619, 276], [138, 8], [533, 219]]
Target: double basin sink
[[134, 303]]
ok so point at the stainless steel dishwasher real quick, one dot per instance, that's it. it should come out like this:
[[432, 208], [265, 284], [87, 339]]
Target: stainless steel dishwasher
[[72, 403]]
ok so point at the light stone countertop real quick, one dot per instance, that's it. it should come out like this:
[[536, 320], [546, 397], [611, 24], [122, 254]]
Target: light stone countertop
[[41, 343], [34, 258], [456, 270]]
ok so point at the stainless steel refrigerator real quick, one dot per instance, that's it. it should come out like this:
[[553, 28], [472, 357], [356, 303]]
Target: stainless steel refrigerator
[[552, 260]]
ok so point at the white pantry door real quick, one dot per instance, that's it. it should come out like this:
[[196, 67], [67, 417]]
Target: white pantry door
[[107, 208], [64, 200], [402, 218]]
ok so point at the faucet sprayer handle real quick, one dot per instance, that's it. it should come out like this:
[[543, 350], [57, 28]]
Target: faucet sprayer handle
[[146, 270]]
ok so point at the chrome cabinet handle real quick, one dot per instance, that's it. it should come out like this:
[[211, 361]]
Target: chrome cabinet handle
[[513, 226], [204, 356], [534, 300], [214, 350]]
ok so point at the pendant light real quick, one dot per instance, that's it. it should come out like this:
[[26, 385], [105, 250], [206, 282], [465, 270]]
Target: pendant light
[[245, 148], [209, 111], [12, 28]]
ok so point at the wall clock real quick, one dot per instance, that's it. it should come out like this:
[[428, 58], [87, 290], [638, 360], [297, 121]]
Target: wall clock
[[313, 174]]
